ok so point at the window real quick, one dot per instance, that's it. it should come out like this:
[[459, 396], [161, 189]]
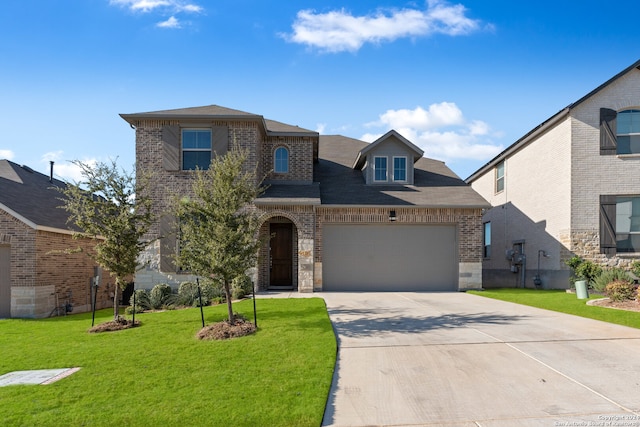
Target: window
[[487, 240], [380, 169], [628, 132], [196, 149], [281, 160], [500, 177], [400, 169], [619, 224]]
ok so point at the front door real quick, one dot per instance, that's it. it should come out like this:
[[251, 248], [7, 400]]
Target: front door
[[5, 281], [281, 253]]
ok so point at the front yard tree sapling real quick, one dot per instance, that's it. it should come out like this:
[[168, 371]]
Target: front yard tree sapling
[[218, 227], [110, 206]]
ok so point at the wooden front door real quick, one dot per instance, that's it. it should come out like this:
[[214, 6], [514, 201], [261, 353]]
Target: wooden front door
[[281, 253]]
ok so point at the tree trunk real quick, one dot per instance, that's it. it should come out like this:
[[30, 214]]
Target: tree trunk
[[116, 299], [227, 292]]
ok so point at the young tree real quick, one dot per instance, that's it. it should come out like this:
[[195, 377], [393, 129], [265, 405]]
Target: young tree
[[109, 206], [217, 227]]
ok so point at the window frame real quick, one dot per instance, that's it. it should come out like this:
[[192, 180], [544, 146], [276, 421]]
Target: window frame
[[611, 220], [278, 162], [486, 240], [376, 168], [500, 178], [619, 135], [184, 150], [393, 176]]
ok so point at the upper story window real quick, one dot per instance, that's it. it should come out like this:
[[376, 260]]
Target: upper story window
[[196, 149], [500, 177], [281, 160], [628, 132], [400, 169], [380, 169]]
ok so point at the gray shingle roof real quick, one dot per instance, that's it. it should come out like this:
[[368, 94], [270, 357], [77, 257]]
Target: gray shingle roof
[[435, 185], [32, 196]]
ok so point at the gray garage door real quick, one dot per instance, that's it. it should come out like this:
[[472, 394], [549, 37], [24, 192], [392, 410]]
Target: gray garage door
[[389, 257]]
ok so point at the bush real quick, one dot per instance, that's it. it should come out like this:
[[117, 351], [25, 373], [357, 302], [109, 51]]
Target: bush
[[608, 276], [141, 302], [161, 296], [583, 269], [188, 293], [620, 290], [635, 268], [241, 286]]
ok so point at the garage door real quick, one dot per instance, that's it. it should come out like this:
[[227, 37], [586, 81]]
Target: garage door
[[389, 257]]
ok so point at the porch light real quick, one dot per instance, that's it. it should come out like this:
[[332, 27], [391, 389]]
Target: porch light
[[392, 216]]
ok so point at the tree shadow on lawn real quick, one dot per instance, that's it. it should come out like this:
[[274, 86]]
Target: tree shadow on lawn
[[364, 323]]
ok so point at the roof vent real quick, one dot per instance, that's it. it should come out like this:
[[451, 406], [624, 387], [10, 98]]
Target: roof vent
[[27, 168]]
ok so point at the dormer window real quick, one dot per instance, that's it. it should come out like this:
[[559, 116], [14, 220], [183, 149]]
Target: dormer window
[[380, 169], [281, 160], [400, 169]]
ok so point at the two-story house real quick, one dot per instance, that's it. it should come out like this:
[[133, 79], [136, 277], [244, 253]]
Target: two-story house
[[571, 186], [341, 214]]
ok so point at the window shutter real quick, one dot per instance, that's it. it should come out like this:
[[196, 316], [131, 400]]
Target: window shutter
[[608, 130], [219, 141], [171, 148], [608, 225], [167, 244]]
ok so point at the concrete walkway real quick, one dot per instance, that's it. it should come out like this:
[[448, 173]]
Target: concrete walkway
[[455, 359]]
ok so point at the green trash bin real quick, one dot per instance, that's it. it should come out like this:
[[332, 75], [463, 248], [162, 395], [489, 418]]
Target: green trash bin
[[581, 289]]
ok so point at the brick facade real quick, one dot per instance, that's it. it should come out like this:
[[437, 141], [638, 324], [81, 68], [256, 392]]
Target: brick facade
[[306, 219], [39, 270]]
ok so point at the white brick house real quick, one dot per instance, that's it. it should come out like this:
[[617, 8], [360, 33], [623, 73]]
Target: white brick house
[[571, 186]]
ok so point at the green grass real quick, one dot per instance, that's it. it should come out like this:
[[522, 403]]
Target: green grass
[[160, 374], [560, 300]]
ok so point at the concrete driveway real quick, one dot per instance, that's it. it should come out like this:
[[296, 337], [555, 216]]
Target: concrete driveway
[[455, 359]]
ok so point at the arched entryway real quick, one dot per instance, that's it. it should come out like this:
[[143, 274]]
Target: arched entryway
[[279, 256]]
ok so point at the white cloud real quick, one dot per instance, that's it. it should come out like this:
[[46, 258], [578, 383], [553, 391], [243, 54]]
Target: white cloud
[[64, 169], [441, 131], [172, 22], [321, 127], [6, 154], [163, 7], [339, 30], [151, 5]]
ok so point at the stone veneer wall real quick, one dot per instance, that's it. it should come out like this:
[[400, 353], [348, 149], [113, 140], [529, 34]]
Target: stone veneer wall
[[303, 220], [468, 222]]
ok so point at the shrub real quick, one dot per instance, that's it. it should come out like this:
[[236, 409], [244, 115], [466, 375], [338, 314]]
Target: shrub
[[635, 268], [161, 296], [188, 293], [620, 290], [141, 302], [610, 275], [583, 269], [241, 286]]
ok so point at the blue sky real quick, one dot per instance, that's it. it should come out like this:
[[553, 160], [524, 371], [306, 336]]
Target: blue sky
[[463, 80]]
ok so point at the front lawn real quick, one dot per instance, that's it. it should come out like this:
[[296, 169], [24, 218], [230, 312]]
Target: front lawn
[[160, 374], [560, 300]]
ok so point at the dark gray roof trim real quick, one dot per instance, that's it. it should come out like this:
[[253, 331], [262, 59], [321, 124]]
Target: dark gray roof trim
[[544, 126], [216, 112]]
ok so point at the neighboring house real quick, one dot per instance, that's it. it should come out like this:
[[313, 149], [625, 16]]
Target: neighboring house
[[571, 186], [342, 214], [35, 275]]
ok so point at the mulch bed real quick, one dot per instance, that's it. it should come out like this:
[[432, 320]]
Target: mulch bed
[[114, 325], [224, 330], [629, 305]]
